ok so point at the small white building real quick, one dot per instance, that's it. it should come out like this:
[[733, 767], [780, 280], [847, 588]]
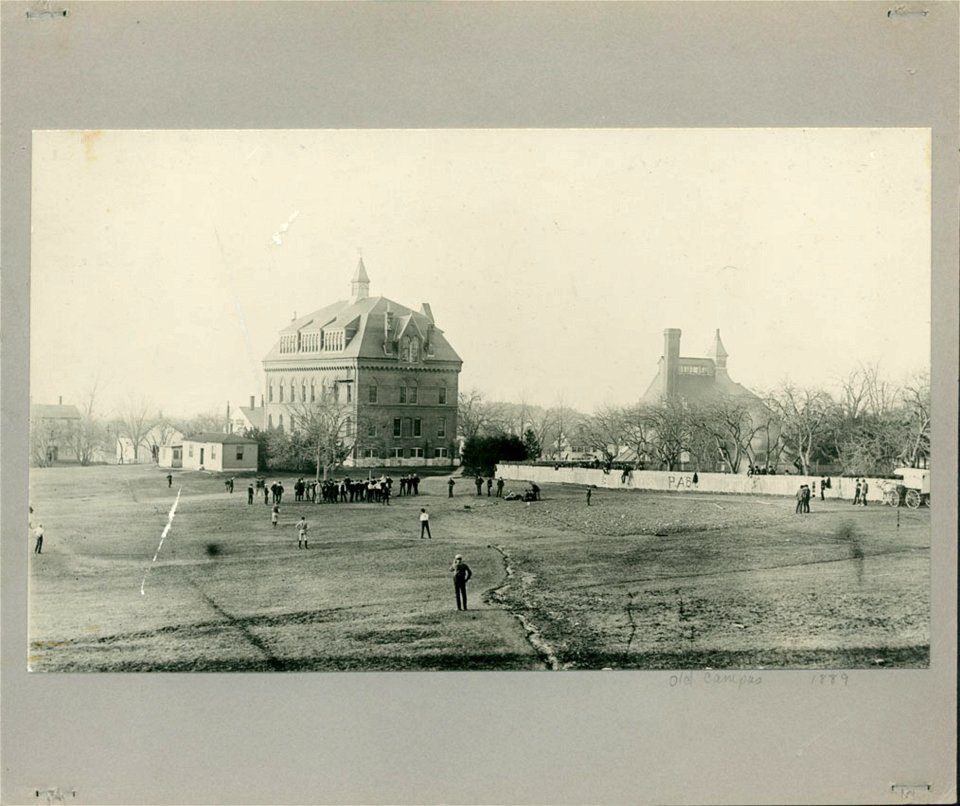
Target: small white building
[[216, 451]]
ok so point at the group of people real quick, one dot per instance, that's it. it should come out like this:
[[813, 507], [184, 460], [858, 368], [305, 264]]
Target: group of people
[[761, 470], [860, 492], [331, 491], [803, 499], [479, 482]]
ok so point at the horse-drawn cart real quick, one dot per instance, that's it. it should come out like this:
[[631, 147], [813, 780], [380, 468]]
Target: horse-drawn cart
[[911, 488]]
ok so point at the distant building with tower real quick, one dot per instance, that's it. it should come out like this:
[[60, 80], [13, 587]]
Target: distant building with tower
[[692, 379], [388, 369]]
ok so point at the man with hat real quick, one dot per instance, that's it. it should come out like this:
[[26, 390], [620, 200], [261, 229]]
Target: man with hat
[[461, 574]]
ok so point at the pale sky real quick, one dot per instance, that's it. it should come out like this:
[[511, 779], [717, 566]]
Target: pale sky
[[552, 259]]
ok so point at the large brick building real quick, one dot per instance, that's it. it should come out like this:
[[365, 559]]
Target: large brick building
[[387, 369]]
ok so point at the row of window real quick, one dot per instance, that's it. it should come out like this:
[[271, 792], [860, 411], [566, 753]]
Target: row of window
[[404, 453], [316, 341], [402, 426], [342, 392], [409, 427]]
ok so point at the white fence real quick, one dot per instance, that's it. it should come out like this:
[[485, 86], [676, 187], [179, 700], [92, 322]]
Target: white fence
[[676, 481]]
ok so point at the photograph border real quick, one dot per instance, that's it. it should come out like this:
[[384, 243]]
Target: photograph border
[[532, 737]]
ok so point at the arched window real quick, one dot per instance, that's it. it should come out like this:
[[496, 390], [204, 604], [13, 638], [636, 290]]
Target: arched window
[[280, 421], [281, 391], [270, 393], [349, 426], [303, 390], [269, 424], [313, 390], [293, 391], [414, 351]]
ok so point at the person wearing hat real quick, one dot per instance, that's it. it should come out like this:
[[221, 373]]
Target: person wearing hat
[[461, 574]]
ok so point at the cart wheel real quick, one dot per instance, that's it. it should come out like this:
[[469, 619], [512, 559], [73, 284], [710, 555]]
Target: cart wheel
[[913, 499]]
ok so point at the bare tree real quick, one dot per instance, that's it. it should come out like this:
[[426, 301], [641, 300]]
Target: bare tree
[[603, 432], [734, 425], [670, 424], [804, 416], [88, 434], [135, 422], [915, 449], [476, 416], [326, 430], [638, 431]]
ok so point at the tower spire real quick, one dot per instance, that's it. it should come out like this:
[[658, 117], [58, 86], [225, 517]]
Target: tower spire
[[719, 353], [360, 282]]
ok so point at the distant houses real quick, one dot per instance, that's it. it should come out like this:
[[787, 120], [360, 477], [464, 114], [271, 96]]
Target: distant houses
[[52, 431]]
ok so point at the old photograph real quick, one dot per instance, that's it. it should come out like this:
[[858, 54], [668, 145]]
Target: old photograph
[[480, 399]]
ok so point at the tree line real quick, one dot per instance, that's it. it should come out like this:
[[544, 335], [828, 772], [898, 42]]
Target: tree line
[[870, 427]]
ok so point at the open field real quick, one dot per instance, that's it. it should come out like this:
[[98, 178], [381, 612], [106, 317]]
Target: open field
[[637, 580]]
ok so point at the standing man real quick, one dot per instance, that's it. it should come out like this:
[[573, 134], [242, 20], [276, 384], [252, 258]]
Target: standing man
[[425, 524], [588, 496], [856, 494], [864, 487], [169, 480], [489, 486], [38, 533], [500, 487], [266, 495], [479, 482], [275, 516], [302, 533], [415, 481], [799, 508], [536, 490], [461, 575], [250, 493], [450, 483], [806, 499]]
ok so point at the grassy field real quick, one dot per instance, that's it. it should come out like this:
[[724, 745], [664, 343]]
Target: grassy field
[[637, 580]]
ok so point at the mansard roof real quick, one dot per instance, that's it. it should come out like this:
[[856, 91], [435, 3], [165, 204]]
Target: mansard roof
[[367, 316]]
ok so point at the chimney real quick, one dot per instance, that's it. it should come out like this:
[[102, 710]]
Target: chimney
[[388, 326], [671, 361], [229, 428], [253, 401], [426, 310]]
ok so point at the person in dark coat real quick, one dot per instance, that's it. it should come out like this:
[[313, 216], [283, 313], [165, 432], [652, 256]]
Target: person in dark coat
[[589, 491], [856, 494], [500, 488], [489, 486], [479, 482], [249, 493], [169, 480], [461, 575], [450, 483]]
